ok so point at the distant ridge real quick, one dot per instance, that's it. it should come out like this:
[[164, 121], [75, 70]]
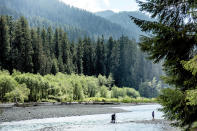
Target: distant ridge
[[122, 18], [77, 22]]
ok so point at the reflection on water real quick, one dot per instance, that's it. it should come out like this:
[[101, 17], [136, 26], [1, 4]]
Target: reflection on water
[[93, 122]]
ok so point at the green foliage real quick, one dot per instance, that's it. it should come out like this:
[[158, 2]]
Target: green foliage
[[11, 90], [104, 92], [77, 91], [132, 93], [191, 94], [102, 80], [191, 97], [150, 89], [173, 101], [7, 84], [124, 92], [19, 94], [123, 100], [173, 41], [27, 87]]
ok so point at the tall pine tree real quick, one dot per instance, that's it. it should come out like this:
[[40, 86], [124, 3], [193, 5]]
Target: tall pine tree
[[4, 43], [174, 40]]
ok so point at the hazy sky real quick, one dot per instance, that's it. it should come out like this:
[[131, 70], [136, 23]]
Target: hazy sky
[[99, 5]]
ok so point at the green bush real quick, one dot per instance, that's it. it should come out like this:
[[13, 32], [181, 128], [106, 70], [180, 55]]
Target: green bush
[[103, 92], [7, 84], [132, 93], [20, 93], [123, 92], [63, 88], [36, 83], [77, 92]]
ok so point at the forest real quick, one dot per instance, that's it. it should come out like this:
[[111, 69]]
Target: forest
[[48, 51]]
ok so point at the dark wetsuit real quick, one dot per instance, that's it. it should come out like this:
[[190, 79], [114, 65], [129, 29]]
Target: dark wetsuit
[[153, 115], [113, 118]]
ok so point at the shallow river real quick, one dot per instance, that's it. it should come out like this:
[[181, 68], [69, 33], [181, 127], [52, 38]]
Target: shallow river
[[93, 122]]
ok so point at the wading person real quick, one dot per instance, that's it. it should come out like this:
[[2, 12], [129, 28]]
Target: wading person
[[153, 115], [113, 118]]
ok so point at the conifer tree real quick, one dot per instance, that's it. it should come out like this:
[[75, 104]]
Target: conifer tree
[[54, 68], [100, 57], [174, 40], [11, 28], [73, 57], [115, 61], [23, 46], [57, 43], [110, 46], [50, 41], [38, 56], [4, 43], [87, 57], [60, 65], [66, 55], [80, 57]]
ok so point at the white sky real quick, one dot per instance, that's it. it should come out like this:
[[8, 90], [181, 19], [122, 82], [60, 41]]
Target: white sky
[[100, 5]]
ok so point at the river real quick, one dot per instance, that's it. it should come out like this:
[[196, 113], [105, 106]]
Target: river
[[127, 121]]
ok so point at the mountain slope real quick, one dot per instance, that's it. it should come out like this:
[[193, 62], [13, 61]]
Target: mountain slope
[[105, 14], [122, 18], [58, 13]]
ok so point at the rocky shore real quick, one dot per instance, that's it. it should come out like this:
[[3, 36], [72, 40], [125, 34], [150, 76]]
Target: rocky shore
[[10, 112]]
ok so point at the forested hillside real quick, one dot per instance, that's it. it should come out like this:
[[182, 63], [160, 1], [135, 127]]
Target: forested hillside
[[77, 22], [123, 19], [44, 51]]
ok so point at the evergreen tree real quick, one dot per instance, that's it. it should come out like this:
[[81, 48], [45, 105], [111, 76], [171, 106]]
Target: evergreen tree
[[100, 57], [54, 68], [11, 26], [66, 55], [115, 61], [46, 51], [60, 65], [73, 57], [44, 41], [110, 46], [57, 43], [28, 51], [88, 66], [50, 41], [80, 57], [23, 46], [38, 56], [173, 40], [4, 43]]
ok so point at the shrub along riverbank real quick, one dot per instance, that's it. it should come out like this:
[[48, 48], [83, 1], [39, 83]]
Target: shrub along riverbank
[[27, 87]]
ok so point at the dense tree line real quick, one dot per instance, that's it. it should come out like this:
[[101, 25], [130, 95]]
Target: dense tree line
[[48, 51], [173, 41], [20, 87]]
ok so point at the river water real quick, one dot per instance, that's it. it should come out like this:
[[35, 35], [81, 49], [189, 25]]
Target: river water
[[125, 122]]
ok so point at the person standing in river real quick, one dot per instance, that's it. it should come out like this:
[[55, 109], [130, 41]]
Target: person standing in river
[[153, 115], [113, 118]]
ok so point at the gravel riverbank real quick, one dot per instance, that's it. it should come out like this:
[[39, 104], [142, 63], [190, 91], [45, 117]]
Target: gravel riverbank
[[51, 111]]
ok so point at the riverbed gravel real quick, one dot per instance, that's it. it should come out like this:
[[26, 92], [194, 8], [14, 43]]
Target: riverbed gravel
[[51, 111]]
